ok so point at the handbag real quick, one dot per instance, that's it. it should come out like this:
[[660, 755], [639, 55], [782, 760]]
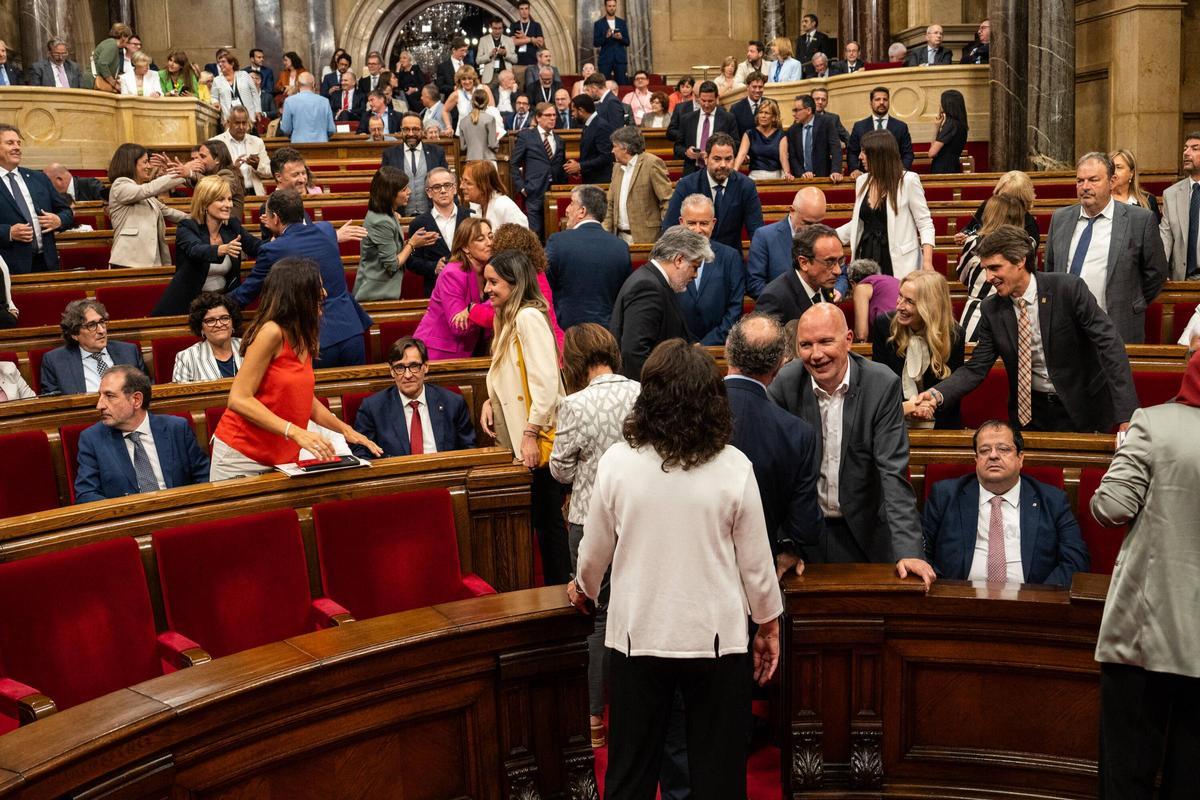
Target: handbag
[[545, 436]]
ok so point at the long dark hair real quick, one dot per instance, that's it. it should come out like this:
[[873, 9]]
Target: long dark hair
[[885, 170], [220, 153], [294, 57], [955, 108], [291, 298], [682, 411], [123, 163], [385, 185]]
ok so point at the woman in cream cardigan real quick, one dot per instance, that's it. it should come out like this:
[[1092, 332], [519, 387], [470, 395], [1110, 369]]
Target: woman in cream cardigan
[[524, 389], [891, 224], [139, 233]]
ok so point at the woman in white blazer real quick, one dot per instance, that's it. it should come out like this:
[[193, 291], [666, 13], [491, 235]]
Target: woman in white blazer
[[218, 354], [891, 224], [235, 88], [141, 81], [12, 384]]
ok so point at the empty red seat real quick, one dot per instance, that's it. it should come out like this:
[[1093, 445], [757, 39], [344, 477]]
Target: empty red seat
[[380, 555], [27, 481], [163, 352], [350, 404], [1103, 543], [1181, 314], [989, 400], [1155, 388], [77, 624], [45, 306], [238, 583], [412, 286], [130, 301], [88, 256], [390, 332]]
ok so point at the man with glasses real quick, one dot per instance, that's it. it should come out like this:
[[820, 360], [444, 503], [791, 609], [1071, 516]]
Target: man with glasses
[[78, 366], [771, 245], [443, 217], [56, 69], [537, 161], [817, 254], [417, 160], [1000, 526], [413, 417]]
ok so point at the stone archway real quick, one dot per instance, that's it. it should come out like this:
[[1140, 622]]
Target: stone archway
[[372, 25]]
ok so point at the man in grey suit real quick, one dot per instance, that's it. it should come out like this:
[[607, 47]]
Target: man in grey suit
[[55, 69], [1180, 226], [1148, 650], [1113, 246], [862, 452]]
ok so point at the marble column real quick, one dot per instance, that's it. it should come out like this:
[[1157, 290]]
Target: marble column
[[1051, 88], [867, 22], [268, 30], [42, 20], [1009, 76], [320, 29], [121, 11], [771, 15]]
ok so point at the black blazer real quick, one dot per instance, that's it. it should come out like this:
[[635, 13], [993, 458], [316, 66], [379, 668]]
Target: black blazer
[[826, 148], [842, 133], [90, 189], [193, 257], [783, 450], [723, 122], [1084, 354], [786, 298], [821, 43], [595, 151], [644, 315], [919, 56], [444, 78], [358, 105], [381, 419], [865, 126], [423, 260], [744, 116], [393, 121], [612, 110], [587, 267], [675, 126], [884, 352]]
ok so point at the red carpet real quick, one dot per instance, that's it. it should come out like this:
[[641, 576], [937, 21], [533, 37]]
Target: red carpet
[[762, 773]]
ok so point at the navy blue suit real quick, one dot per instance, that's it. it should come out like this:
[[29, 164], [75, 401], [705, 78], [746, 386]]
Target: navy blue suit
[[393, 121], [381, 419], [538, 174], [739, 208], [865, 126], [611, 59], [743, 115], [20, 256], [783, 449], [62, 367], [331, 83], [106, 470], [771, 256], [612, 110], [1052, 549], [509, 118], [344, 320], [595, 151], [711, 311], [587, 266]]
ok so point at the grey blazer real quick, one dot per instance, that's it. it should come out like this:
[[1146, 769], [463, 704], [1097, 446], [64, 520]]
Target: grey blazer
[[379, 274], [41, 73], [1174, 226], [1150, 616], [1137, 265], [873, 490], [478, 141]]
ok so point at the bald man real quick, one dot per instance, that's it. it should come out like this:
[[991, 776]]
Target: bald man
[[862, 450], [771, 245], [78, 189]]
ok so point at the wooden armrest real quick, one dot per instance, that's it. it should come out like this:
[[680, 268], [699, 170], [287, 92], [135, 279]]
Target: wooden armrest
[[180, 651], [329, 613]]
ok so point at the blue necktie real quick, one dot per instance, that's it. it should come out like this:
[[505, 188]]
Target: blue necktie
[[1193, 223], [3, 76], [808, 156], [1082, 248], [720, 193], [19, 197], [778, 68]]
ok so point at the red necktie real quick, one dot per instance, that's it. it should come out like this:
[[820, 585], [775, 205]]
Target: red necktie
[[997, 563], [345, 101], [416, 436]]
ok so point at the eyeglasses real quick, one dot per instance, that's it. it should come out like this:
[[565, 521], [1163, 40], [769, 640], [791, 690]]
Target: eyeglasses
[[218, 322], [440, 187], [95, 325], [406, 369], [999, 449]]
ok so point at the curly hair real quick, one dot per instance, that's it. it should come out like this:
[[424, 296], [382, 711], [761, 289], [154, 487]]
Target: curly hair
[[682, 411], [511, 236], [206, 302]]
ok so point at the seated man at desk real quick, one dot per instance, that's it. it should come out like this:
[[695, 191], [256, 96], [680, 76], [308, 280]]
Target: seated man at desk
[[130, 450], [998, 525], [413, 417]]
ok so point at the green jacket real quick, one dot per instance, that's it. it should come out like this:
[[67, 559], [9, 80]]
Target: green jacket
[[107, 58]]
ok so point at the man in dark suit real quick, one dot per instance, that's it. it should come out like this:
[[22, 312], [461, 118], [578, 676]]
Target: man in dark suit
[[533, 73], [417, 159], [342, 318], [370, 82], [745, 110], [78, 366], [444, 74], [519, 118], [1047, 547], [607, 104], [378, 107], [9, 74], [713, 300], [587, 265], [698, 128], [130, 450], [817, 254], [1115, 247], [1068, 371], [821, 67], [681, 110], [335, 79], [78, 189], [346, 102], [646, 312], [811, 41], [733, 194], [820, 96], [879, 120], [930, 54], [814, 150], [771, 245], [536, 162], [595, 164], [855, 404], [413, 417], [782, 447], [443, 216], [978, 51], [258, 66], [55, 69], [30, 211], [610, 38], [543, 86], [852, 62]]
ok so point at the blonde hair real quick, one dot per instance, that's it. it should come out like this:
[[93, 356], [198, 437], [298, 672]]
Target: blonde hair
[[769, 105], [937, 316], [1017, 184], [210, 189], [728, 61], [1135, 188], [140, 57], [783, 47], [464, 72]]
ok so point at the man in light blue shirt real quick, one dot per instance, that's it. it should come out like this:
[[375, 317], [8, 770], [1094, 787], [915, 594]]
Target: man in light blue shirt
[[307, 116]]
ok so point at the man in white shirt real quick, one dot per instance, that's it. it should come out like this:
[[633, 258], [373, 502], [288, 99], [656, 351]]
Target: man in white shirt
[[998, 526], [248, 151], [755, 50]]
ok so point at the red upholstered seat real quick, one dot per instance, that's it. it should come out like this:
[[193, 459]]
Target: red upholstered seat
[[78, 624], [1156, 388], [390, 332], [27, 481], [1181, 315], [163, 351], [412, 286], [350, 404], [88, 256], [979, 193], [212, 415], [380, 555], [989, 400], [1050, 475], [1103, 543], [45, 307], [130, 301], [238, 583], [351, 277], [1153, 323]]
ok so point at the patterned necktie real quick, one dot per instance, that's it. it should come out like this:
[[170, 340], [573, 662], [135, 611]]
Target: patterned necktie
[[141, 464], [997, 563], [1024, 363], [101, 364], [61, 74], [878, 124], [546, 144], [705, 131], [416, 433], [345, 101], [1193, 229], [778, 68], [1081, 249]]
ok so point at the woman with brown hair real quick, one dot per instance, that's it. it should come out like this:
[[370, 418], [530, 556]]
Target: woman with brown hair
[[1001, 209], [177, 79], [384, 253], [139, 234], [1017, 184], [481, 188], [764, 145], [457, 318], [477, 130], [891, 223]]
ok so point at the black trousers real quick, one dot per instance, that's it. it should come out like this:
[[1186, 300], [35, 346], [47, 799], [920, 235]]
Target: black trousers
[[1148, 720], [716, 695], [1049, 414], [546, 501]]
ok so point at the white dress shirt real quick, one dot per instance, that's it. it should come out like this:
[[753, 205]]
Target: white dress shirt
[[810, 291], [1041, 375], [427, 440], [876, 120], [1010, 511], [37, 225], [91, 371], [831, 449], [446, 224], [1095, 263], [148, 446], [623, 201], [547, 136]]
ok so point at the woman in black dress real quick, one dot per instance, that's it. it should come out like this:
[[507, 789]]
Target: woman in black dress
[[947, 149]]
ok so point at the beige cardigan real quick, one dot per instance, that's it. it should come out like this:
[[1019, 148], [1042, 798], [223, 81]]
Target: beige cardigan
[[139, 234], [505, 388]]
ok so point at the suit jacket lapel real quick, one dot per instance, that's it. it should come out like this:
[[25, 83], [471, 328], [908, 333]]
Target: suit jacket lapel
[[397, 413], [75, 368], [119, 455], [1045, 303], [1116, 242], [850, 406], [437, 419], [1062, 241], [168, 459], [1029, 531], [968, 523], [6, 193]]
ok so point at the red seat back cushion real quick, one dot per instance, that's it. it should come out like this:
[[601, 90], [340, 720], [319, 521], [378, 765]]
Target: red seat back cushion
[[380, 555], [77, 624], [130, 301], [350, 404], [27, 482], [69, 436], [163, 351], [1181, 315], [988, 400], [1156, 388], [1050, 475], [234, 584], [389, 332], [45, 307], [1103, 543], [1152, 326]]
